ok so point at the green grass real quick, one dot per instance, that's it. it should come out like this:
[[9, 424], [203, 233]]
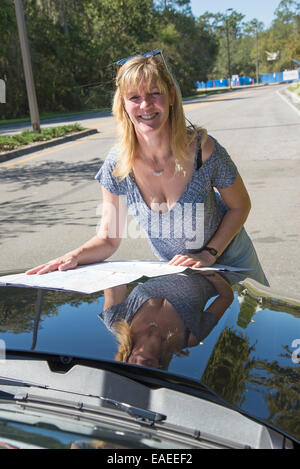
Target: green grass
[[27, 137], [295, 88]]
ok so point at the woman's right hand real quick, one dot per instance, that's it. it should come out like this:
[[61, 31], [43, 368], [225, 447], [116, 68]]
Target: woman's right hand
[[66, 262]]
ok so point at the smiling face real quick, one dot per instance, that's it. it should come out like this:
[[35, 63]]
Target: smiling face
[[147, 348], [148, 108]]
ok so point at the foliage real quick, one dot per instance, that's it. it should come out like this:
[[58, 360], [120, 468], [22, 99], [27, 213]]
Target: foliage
[[74, 46], [295, 88], [248, 42], [283, 36], [28, 136], [19, 306]]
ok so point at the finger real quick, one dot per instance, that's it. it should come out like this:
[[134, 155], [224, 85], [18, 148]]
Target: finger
[[34, 270], [188, 262], [197, 265], [171, 262], [180, 259], [68, 265], [48, 268]]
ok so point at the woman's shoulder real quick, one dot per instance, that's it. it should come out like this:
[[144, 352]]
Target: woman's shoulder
[[208, 148], [203, 142], [112, 157], [213, 151], [106, 177]]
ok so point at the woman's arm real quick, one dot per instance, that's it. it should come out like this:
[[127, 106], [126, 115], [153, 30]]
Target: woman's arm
[[98, 248], [114, 296], [219, 305], [238, 202], [237, 199], [225, 298]]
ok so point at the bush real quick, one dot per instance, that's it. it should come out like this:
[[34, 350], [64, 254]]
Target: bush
[[28, 136]]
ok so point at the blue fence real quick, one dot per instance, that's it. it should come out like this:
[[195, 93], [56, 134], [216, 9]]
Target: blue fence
[[279, 77], [240, 81]]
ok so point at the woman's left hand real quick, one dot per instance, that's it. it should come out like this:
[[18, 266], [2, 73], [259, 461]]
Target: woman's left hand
[[202, 259]]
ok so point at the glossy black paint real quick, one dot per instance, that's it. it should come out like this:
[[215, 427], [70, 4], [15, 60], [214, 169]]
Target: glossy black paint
[[251, 358]]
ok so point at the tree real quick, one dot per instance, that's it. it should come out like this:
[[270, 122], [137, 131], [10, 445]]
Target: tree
[[189, 47], [10, 60], [283, 36], [227, 30], [252, 30]]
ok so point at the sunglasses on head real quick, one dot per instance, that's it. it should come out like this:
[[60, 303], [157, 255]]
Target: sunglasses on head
[[145, 54]]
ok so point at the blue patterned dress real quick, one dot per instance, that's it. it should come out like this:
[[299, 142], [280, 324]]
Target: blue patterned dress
[[195, 217]]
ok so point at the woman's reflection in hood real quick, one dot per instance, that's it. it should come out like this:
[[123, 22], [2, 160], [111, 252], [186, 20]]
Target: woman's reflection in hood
[[165, 315]]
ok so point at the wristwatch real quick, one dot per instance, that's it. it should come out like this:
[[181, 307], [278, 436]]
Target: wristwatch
[[212, 251]]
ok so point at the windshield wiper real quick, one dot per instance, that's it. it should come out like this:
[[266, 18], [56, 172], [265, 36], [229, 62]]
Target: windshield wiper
[[142, 415], [136, 412], [17, 382]]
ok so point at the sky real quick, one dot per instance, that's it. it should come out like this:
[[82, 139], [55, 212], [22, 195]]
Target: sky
[[263, 10]]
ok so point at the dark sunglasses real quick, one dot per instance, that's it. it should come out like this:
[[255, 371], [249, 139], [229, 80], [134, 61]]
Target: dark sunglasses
[[145, 54]]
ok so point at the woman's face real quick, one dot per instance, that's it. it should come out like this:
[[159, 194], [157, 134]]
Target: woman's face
[[147, 349], [147, 108]]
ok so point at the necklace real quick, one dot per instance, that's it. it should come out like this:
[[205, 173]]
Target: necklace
[[158, 173], [153, 324]]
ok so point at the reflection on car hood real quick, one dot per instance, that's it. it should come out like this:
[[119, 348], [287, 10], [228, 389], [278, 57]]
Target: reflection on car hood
[[250, 357]]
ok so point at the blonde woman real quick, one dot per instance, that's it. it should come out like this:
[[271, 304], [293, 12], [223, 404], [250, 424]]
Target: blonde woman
[[180, 184], [165, 316]]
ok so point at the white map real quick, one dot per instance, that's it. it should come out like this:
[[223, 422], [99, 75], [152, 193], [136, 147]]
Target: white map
[[96, 277]]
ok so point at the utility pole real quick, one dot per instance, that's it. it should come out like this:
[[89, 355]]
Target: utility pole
[[31, 94], [228, 47], [257, 66]]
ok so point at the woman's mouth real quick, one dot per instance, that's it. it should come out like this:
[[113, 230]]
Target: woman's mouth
[[148, 117]]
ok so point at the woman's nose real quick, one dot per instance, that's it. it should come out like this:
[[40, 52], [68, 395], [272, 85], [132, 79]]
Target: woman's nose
[[146, 100]]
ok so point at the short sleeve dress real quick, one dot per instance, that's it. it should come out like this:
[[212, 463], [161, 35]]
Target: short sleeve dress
[[194, 218], [188, 294]]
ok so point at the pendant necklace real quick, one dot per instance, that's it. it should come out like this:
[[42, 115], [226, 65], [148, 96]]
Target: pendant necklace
[[153, 324], [158, 173]]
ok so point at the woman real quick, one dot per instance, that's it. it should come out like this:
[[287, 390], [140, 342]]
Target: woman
[[164, 316], [167, 173]]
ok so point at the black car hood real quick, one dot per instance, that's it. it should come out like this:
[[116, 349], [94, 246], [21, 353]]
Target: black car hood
[[250, 358]]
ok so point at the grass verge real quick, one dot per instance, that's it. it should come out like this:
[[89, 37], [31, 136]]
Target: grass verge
[[27, 137], [295, 88]]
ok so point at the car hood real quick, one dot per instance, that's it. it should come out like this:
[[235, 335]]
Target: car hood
[[250, 358]]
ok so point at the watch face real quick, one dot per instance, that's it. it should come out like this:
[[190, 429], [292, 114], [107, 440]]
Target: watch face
[[212, 251]]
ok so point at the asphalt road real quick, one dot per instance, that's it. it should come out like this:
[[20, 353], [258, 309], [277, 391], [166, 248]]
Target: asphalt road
[[50, 201]]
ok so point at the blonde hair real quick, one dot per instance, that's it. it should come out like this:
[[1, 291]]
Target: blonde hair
[[144, 70], [124, 336]]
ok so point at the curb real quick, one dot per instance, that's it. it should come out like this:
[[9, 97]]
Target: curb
[[285, 95], [40, 146], [294, 96], [259, 290]]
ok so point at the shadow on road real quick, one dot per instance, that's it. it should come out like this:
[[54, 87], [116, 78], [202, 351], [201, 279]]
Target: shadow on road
[[22, 215]]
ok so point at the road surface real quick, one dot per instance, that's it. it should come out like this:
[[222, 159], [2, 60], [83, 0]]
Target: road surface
[[50, 201]]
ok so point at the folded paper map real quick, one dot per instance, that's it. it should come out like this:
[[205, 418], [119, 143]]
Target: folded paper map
[[96, 277]]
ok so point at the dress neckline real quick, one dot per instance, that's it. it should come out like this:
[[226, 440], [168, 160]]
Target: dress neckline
[[133, 181]]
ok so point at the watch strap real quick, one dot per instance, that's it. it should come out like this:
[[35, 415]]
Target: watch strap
[[212, 251]]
